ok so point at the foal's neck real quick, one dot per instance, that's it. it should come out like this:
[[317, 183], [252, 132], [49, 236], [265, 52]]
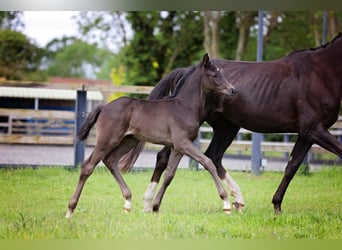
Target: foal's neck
[[192, 96]]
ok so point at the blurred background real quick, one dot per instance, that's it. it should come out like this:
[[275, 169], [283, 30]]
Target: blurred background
[[139, 48]]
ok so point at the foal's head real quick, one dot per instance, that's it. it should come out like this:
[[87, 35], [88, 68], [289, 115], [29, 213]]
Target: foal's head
[[214, 80]]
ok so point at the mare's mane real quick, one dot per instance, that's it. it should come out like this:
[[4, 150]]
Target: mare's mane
[[319, 47]]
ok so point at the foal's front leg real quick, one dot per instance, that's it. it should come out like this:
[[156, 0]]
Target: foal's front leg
[[190, 149], [224, 133]]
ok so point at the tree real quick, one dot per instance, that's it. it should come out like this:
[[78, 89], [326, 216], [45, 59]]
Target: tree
[[152, 43], [229, 34], [244, 20], [162, 41], [211, 23], [290, 32], [71, 57], [19, 58], [109, 29], [11, 20]]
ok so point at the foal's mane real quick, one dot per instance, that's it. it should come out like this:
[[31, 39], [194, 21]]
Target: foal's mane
[[165, 86], [181, 81], [319, 47]]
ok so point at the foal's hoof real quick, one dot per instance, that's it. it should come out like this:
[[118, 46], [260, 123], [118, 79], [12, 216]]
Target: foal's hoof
[[239, 206], [68, 214], [127, 210], [227, 211]]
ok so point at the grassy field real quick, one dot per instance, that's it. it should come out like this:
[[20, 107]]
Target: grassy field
[[34, 202]]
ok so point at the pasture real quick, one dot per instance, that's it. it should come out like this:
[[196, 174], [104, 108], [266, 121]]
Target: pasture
[[34, 203]]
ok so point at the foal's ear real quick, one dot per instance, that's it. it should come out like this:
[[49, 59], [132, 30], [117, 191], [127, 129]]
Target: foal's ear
[[205, 61]]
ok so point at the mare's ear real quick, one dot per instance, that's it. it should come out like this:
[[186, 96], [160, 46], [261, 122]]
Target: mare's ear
[[205, 61]]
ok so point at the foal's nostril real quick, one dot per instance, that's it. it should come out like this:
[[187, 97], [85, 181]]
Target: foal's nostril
[[232, 92]]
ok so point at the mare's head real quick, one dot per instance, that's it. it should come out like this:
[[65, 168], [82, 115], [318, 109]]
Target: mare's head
[[213, 79]]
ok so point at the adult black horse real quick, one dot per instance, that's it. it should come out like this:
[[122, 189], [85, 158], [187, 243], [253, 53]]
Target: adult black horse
[[299, 93]]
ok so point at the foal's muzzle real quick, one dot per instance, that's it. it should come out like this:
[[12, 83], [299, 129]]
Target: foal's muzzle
[[231, 92]]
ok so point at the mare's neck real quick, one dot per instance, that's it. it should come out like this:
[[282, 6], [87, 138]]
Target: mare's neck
[[330, 58]]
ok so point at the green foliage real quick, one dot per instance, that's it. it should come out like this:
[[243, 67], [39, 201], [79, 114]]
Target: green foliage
[[291, 34], [152, 43], [161, 43], [71, 57], [19, 58], [228, 35], [11, 20], [35, 202]]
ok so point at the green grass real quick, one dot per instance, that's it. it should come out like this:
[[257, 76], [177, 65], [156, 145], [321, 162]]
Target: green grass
[[34, 202]]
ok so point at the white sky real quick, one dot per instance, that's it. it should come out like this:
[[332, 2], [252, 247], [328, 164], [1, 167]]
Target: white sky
[[43, 26]]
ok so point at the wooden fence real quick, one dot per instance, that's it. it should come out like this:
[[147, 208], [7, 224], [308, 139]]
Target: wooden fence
[[25, 126]]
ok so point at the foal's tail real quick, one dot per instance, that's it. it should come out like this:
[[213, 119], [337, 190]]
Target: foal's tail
[[89, 123]]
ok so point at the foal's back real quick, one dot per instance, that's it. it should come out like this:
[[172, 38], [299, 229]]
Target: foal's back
[[157, 121]]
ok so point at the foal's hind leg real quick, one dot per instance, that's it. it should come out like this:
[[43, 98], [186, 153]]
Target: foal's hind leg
[[111, 161], [172, 165], [86, 170]]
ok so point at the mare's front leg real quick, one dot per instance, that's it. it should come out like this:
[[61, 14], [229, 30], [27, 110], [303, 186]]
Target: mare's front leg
[[86, 170], [161, 164], [111, 162], [223, 134]]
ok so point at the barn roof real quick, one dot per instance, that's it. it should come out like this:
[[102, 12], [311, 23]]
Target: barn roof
[[44, 93]]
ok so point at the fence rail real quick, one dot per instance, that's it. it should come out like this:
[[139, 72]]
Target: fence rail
[[24, 126]]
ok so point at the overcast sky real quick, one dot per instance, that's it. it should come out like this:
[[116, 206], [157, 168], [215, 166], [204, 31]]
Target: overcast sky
[[43, 26]]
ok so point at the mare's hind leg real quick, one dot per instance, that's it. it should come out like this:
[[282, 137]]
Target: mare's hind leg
[[224, 133], [299, 151], [323, 138], [319, 136], [161, 164], [111, 161], [86, 170]]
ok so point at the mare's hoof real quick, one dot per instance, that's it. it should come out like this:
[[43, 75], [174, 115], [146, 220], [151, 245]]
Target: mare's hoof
[[147, 210], [277, 209], [227, 211], [155, 208]]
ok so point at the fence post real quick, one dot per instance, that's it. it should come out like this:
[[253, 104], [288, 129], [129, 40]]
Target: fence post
[[257, 137], [80, 112]]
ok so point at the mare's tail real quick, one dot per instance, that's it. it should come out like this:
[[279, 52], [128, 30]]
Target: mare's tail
[[89, 123], [164, 87]]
